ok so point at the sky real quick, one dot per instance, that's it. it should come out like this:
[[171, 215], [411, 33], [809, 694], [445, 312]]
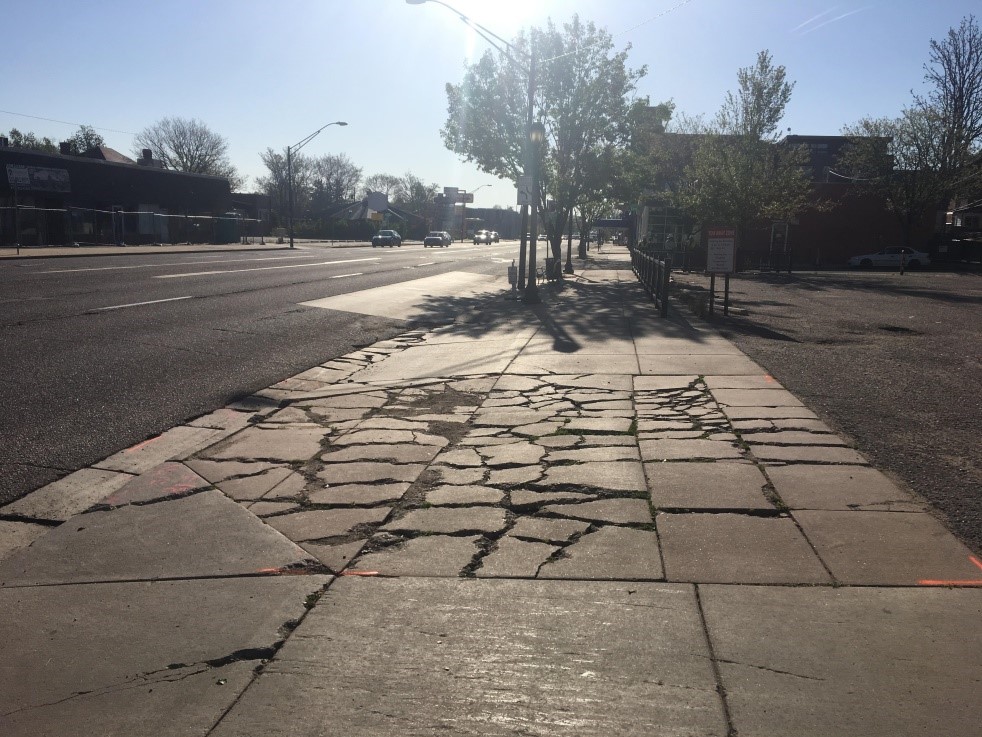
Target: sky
[[266, 75]]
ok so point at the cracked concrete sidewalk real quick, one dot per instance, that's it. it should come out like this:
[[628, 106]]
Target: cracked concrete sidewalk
[[577, 519]]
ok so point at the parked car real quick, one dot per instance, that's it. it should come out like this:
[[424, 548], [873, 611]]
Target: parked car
[[495, 238], [890, 257], [482, 236], [386, 238], [437, 239]]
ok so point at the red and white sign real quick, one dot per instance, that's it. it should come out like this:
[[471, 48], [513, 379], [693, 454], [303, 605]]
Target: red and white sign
[[721, 250]]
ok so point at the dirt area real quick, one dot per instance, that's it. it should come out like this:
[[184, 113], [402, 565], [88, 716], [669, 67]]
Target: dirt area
[[892, 362]]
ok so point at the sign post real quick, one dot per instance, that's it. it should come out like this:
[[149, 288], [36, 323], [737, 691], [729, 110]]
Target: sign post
[[720, 259]]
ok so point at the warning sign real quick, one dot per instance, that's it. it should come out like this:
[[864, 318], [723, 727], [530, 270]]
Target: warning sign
[[721, 250]]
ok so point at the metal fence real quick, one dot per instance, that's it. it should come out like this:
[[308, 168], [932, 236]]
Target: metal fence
[[30, 227], [654, 275]]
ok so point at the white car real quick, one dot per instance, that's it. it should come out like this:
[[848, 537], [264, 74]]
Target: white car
[[891, 257]]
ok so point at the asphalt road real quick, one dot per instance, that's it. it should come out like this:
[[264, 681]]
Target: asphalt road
[[98, 354], [894, 362]]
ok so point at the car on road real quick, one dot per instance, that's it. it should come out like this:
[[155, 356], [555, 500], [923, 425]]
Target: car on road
[[437, 239], [495, 238], [891, 257], [482, 236], [388, 238]]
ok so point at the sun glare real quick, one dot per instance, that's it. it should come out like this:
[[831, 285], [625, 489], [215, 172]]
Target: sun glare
[[504, 17]]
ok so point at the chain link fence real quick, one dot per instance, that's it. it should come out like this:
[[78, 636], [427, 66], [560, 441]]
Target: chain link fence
[[37, 227]]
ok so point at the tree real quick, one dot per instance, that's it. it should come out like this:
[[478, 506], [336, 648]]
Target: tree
[[928, 156], [384, 183], [335, 180], [275, 184], [189, 146], [413, 194], [899, 160], [582, 94], [954, 105], [85, 138], [740, 172], [31, 142]]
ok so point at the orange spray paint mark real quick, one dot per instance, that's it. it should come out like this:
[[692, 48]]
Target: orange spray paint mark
[[974, 561], [949, 583], [359, 573]]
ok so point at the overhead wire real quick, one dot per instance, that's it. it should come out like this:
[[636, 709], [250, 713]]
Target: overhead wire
[[65, 122]]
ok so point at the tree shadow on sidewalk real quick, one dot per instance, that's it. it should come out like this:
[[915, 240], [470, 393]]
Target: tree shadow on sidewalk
[[571, 311]]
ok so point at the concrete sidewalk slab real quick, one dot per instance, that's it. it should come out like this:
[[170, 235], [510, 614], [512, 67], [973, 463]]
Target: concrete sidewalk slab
[[270, 443], [840, 488], [733, 548], [489, 657], [17, 535], [429, 361], [174, 444], [716, 486], [583, 363], [889, 548], [756, 398], [849, 662], [699, 364], [441, 556], [609, 554], [68, 496], [168, 539], [138, 659], [807, 454]]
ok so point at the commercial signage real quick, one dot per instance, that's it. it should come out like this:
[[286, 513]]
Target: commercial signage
[[38, 178], [721, 250]]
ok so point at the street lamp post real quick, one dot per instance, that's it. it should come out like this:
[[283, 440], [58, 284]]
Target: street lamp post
[[290, 150], [531, 294]]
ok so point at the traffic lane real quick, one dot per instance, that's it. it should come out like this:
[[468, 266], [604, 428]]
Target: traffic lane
[[78, 288], [52, 292], [89, 385]]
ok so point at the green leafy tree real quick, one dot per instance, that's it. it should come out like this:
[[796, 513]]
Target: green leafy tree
[[31, 142], [740, 173], [85, 138], [899, 160], [189, 146], [583, 91]]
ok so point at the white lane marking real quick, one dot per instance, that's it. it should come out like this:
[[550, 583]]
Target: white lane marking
[[342, 276], [181, 263], [139, 304], [428, 263], [264, 268]]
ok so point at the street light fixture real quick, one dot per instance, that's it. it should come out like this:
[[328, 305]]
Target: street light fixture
[[290, 150], [531, 294]]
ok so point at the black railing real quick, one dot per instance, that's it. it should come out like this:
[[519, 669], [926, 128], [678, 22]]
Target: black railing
[[654, 275]]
